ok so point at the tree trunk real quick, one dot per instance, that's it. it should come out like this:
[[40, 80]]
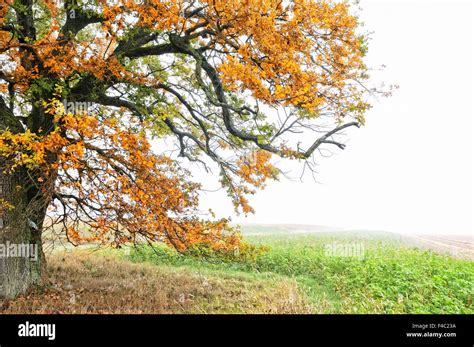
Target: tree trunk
[[21, 256]]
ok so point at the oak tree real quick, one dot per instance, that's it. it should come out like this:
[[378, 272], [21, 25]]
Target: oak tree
[[91, 89]]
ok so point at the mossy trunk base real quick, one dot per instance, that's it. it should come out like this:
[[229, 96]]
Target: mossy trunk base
[[21, 257]]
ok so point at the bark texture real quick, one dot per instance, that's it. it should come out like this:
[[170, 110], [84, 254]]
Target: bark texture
[[21, 256]]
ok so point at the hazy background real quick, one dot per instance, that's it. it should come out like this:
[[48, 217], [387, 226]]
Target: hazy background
[[410, 168]]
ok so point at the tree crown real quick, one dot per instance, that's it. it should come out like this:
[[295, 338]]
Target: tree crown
[[204, 73]]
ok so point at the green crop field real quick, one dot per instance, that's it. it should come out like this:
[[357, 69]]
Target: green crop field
[[284, 269], [384, 275]]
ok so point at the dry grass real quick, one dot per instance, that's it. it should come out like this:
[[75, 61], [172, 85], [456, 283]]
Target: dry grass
[[85, 282]]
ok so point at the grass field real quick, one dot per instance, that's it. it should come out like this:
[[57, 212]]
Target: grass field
[[301, 272], [389, 277]]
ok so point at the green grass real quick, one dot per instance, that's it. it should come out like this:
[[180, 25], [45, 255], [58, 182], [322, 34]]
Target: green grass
[[390, 277]]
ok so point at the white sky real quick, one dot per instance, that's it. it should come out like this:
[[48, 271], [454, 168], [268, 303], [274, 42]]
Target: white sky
[[410, 168]]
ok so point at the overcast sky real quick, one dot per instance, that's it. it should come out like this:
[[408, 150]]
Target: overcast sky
[[410, 169]]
